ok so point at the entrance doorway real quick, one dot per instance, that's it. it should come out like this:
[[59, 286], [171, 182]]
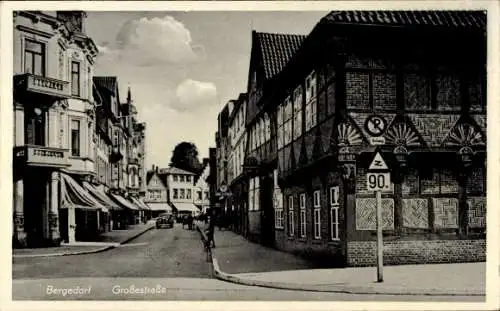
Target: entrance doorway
[[36, 194]]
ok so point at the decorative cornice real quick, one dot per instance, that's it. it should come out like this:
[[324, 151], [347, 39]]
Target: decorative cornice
[[35, 31], [37, 16]]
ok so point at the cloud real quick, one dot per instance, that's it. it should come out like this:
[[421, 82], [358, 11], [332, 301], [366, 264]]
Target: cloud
[[193, 95], [155, 41]]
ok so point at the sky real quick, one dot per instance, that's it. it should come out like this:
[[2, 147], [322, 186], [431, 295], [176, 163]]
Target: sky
[[182, 67]]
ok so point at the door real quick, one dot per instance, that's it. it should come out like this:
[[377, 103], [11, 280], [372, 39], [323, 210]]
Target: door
[[35, 203], [63, 224], [267, 211]]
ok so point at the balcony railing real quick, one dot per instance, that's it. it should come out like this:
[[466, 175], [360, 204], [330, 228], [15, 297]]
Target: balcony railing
[[42, 156], [43, 85]]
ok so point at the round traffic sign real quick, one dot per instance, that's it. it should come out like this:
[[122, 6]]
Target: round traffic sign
[[375, 125]]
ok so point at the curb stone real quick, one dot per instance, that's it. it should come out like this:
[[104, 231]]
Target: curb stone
[[92, 251], [342, 287]]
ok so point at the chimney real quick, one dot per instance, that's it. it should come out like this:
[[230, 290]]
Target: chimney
[[156, 169], [153, 167]]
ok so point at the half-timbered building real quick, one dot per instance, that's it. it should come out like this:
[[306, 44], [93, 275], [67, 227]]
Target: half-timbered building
[[411, 84]]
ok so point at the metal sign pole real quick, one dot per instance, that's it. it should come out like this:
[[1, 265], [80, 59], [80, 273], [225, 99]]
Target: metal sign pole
[[380, 241]]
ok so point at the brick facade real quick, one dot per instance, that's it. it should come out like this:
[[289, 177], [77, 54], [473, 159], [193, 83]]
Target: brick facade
[[363, 253]]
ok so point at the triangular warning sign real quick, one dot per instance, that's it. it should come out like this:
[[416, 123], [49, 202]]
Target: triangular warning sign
[[378, 163]]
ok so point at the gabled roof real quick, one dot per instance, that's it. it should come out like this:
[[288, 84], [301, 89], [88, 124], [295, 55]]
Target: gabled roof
[[161, 176], [277, 50], [107, 83], [453, 19], [174, 170]]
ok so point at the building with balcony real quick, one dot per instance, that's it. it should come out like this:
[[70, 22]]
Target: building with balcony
[[53, 128], [111, 116], [364, 81]]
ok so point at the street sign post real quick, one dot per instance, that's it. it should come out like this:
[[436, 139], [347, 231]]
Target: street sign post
[[378, 179]]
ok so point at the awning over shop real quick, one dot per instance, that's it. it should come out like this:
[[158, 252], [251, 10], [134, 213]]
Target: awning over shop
[[73, 195], [158, 207], [124, 202], [140, 204], [101, 196], [186, 207]]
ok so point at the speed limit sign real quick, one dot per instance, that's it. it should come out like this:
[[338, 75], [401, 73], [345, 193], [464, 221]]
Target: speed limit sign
[[378, 181]]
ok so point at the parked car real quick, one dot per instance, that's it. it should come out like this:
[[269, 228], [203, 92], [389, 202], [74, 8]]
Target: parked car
[[165, 220]]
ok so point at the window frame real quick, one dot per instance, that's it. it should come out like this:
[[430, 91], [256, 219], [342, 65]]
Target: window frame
[[303, 215], [317, 214], [334, 213], [291, 217], [77, 74], [76, 152], [32, 53]]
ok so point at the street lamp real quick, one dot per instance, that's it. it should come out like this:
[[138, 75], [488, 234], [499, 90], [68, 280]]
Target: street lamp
[[465, 155], [401, 155], [347, 160]]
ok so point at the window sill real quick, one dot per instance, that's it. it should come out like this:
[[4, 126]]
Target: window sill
[[334, 242]]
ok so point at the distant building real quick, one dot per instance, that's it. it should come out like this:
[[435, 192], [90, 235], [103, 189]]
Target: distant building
[[237, 202], [157, 192], [180, 185], [201, 188]]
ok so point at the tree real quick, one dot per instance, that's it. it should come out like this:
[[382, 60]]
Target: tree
[[185, 156]]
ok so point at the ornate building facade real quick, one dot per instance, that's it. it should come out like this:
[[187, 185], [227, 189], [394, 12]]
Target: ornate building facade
[[53, 111], [344, 90]]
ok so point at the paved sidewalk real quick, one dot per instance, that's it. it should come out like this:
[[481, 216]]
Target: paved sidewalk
[[235, 254], [108, 241], [238, 260]]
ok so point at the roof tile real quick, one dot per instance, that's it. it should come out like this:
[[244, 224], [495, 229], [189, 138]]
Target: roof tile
[[455, 19], [277, 50]]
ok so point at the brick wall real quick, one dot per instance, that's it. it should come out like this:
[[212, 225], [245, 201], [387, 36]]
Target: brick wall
[[362, 253], [324, 251]]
